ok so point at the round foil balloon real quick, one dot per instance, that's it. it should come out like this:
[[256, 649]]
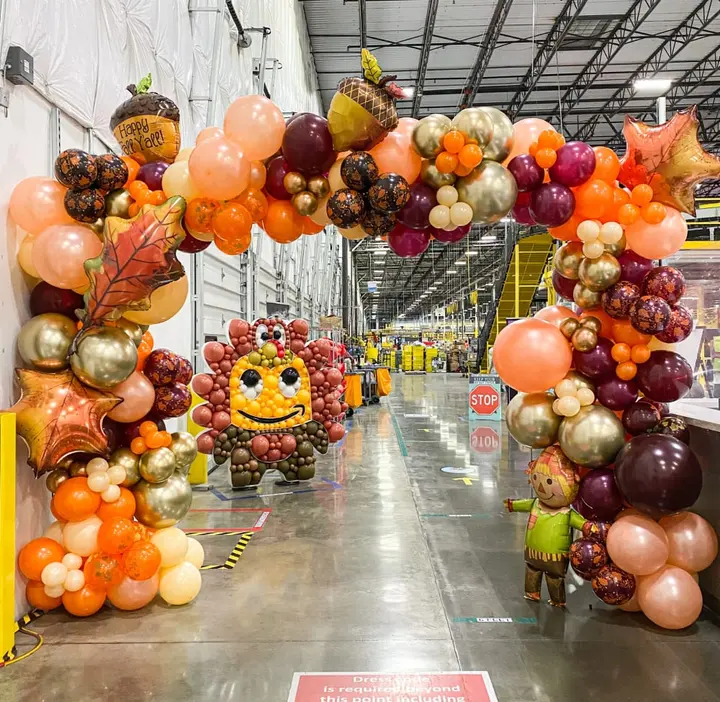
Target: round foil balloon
[[665, 376], [593, 437], [490, 190], [390, 193], [104, 357], [531, 420], [161, 505], [499, 146], [45, 340]]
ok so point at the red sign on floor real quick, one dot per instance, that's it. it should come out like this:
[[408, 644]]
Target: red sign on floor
[[392, 687], [484, 440]]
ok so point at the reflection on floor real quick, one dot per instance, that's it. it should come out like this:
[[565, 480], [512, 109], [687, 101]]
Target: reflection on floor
[[385, 562]]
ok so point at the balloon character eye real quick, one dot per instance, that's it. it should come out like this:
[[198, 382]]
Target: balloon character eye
[[251, 384], [289, 382], [549, 481]]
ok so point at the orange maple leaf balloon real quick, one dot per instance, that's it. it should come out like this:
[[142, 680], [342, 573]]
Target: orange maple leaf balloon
[[669, 158], [138, 257], [57, 415]]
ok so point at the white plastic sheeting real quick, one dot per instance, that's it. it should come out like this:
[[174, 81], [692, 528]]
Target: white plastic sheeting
[[85, 53]]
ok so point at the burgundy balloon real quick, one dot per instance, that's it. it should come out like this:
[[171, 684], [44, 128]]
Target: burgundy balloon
[[407, 242], [416, 214], [151, 174], [452, 236], [679, 326], [618, 299], [521, 209], [192, 245], [633, 267], [277, 169], [528, 175], [613, 585], [598, 363], [307, 145], [599, 497], [552, 204], [574, 165], [658, 474], [650, 314], [597, 530], [665, 282], [665, 377], [674, 426], [640, 418], [563, 286], [47, 298], [617, 394], [587, 556]]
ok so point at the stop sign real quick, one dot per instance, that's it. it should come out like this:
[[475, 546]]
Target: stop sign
[[484, 400], [484, 440]]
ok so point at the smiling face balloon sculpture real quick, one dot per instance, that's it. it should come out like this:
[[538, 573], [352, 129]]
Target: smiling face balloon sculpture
[[262, 401]]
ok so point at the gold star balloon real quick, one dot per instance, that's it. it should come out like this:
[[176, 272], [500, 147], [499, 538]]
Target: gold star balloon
[[669, 158], [57, 415]]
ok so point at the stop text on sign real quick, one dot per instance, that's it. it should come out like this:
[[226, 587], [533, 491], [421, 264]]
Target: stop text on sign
[[484, 397]]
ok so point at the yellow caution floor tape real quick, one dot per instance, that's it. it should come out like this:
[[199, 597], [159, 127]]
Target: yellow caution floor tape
[[234, 556], [21, 624]]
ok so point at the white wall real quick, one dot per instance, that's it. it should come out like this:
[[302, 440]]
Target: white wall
[[86, 52]]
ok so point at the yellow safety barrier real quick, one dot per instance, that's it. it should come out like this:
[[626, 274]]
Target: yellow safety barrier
[[198, 474], [7, 533]]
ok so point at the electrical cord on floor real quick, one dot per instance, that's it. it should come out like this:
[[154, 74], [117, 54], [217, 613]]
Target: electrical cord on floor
[[38, 637]]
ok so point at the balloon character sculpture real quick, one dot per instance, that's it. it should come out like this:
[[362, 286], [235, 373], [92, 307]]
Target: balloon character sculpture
[[595, 388], [265, 409], [555, 481]]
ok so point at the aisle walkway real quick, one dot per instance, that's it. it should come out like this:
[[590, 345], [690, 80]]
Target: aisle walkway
[[383, 563]]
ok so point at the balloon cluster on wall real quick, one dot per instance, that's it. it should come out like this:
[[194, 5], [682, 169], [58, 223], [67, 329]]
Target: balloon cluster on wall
[[271, 401], [611, 368], [100, 253]]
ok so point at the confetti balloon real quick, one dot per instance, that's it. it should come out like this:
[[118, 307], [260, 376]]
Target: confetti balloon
[[650, 314], [618, 299], [112, 173], [679, 326], [613, 585], [390, 193], [86, 205], [359, 170], [377, 223], [346, 208], [587, 557], [76, 169], [673, 426], [665, 282]]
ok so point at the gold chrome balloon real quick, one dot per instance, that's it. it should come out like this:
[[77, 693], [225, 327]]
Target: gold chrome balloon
[[617, 248], [593, 437], [475, 124], [294, 182], [305, 203], [104, 357], [98, 226], [157, 465], [44, 341], [77, 469], [117, 203], [130, 461], [584, 339], [567, 259], [580, 380], [55, 479], [184, 446], [569, 326], [598, 274], [490, 190], [319, 186], [161, 505], [432, 177], [428, 135], [531, 420], [499, 147], [586, 298], [134, 331], [591, 323]]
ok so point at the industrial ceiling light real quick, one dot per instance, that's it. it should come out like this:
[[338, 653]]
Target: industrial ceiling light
[[460, 262], [472, 253], [652, 87], [379, 252]]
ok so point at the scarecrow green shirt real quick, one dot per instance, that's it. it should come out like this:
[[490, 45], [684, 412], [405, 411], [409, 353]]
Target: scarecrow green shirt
[[548, 530]]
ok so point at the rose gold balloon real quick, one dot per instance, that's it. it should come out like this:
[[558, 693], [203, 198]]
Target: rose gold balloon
[[555, 314], [525, 132], [670, 598], [693, 541], [209, 133], [638, 545], [138, 395], [632, 605], [256, 124], [131, 594], [219, 169], [395, 154], [60, 251], [658, 240], [629, 512], [37, 203]]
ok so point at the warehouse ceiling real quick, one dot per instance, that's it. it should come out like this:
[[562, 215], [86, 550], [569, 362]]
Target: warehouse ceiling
[[573, 63]]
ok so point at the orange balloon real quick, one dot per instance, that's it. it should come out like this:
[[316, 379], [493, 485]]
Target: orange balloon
[[567, 231], [461, 170], [640, 353], [547, 140], [593, 198], [37, 203], [219, 169], [102, 570], [255, 202], [280, 222], [446, 162], [545, 158], [626, 370], [232, 221], [605, 320], [525, 132], [624, 332], [37, 599], [256, 124], [309, 227], [531, 355], [258, 175], [233, 247], [116, 535], [142, 560], [620, 353], [38, 553], [199, 214], [84, 602], [620, 197], [395, 154], [470, 155], [137, 189], [133, 209], [653, 212], [607, 164], [208, 133], [453, 141], [132, 594], [124, 506], [641, 195], [628, 214], [555, 314], [75, 501], [60, 251], [650, 240], [133, 167]]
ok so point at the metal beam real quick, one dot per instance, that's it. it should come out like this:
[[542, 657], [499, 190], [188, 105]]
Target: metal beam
[[547, 51], [430, 16], [362, 15], [484, 55]]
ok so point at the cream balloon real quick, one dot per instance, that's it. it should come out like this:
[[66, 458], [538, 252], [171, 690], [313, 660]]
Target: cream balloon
[[320, 216], [177, 181], [25, 257], [117, 475], [72, 561], [588, 231], [610, 233], [461, 214], [334, 178], [440, 216], [568, 406], [354, 233], [98, 482], [184, 154], [54, 574], [55, 532], [97, 465], [593, 249], [172, 544], [195, 553], [111, 494], [447, 195], [180, 584], [81, 537], [565, 388], [54, 590], [585, 396], [165, 302], [74, 581]]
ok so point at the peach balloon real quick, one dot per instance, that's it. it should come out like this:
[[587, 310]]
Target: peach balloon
[[656, 345], [37, 203], [531, 355], [184, 154], [395, 154], [670, 597], [320, 215], [131, 594], [138, 396], [165, 302], [605, 320], [555, 314], [632, 605], [256, 124], [693, 541], [525, 132], [218, 169], [177, 181], [658, 240], [59, 252], [638, 545], [209, 133], [258, 175], [354, 233], [334, 178], [25, 256], [406, 125]]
